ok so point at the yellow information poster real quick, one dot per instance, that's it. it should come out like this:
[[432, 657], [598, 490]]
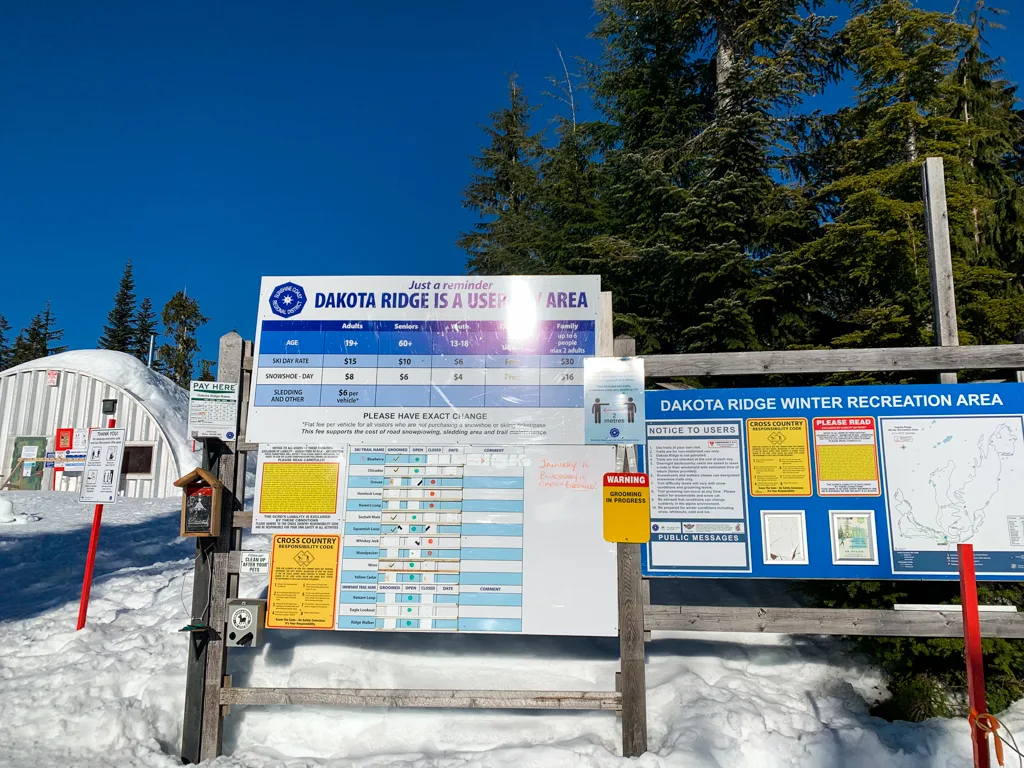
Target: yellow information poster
[[299, 488], [846, 456], [303, 581], [779, 455]]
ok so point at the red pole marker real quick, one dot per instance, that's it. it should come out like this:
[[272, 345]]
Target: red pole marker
[[90, 560], [972, 653]]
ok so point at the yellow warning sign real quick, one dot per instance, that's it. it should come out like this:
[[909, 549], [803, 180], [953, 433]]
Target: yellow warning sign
[[303, 581], [779, 457], [305, 488], [627, 508], [846, 456]]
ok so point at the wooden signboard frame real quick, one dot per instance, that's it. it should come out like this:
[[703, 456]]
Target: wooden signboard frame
[[209, 692]]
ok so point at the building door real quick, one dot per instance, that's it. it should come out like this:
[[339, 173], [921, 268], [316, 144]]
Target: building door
[[27, 461]]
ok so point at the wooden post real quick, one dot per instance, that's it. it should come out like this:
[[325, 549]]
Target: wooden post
[[633, 674], [972, 652], [202, 725], [940, 260]]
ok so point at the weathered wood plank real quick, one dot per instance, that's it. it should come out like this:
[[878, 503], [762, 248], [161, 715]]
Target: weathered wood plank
[[836, 361], [216, 660], [202, 726], [631, 650], [243, 520], [605, 324], [940, 259], [446, 699], [826, 621], [625, 346], [195, 669]]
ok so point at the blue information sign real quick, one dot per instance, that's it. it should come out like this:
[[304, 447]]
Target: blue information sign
[[836, 482]]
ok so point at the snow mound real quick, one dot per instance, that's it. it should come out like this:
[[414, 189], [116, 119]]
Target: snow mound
[[165, 400], [8, 515], [112, 695]]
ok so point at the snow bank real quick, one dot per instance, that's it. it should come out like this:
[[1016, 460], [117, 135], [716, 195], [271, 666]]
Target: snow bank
[[112, 694], [165, 400]]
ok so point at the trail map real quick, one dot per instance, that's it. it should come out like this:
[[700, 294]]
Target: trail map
[[953, 480]]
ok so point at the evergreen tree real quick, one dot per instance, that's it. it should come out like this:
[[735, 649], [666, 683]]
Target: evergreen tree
[[144, 328], [206, 370], [36, 340], [119, 334], [695, 96], [6, 350], [181, 318], [504, 193], [864, 281], [572, 215], [21, 351], [984, 101], [50, 334], [924, 88], [866, 276]]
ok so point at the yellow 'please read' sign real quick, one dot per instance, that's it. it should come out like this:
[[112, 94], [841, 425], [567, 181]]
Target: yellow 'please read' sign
[[627, 508]]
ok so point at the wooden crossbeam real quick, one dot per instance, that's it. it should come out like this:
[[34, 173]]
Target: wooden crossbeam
[[997, 356], [826, 621], [440, 699]]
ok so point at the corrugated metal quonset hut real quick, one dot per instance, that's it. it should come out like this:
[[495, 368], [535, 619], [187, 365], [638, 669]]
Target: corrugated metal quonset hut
[[67, 391]]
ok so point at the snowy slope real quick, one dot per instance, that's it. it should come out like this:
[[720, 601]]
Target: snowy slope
[[112, 694]]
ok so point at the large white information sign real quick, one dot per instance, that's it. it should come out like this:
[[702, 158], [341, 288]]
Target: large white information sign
[[102, 474], [443, 360], [450, 538]]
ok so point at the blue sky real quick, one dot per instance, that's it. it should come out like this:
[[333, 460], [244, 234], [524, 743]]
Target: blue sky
[[216, 142]]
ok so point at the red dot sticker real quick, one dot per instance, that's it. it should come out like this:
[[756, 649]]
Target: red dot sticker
[[431, 493], [431, 506], [430, 541], [433, 482]]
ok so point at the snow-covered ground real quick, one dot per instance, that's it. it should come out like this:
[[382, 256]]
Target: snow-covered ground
[[112, 694]]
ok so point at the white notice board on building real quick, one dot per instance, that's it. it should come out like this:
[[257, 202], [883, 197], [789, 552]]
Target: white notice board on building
[[494, 539]]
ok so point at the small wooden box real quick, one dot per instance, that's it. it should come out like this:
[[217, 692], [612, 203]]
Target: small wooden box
[[200, 503]]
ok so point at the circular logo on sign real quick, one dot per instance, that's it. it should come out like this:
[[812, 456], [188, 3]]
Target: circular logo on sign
[[613, 432], [230, 435], [241, 619], [655, 527], [287, 300]]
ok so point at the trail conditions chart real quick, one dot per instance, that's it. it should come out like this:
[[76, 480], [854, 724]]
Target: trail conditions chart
[[442, 538], [434, 539]]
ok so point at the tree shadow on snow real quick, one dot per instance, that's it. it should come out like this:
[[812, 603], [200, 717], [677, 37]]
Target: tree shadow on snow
[[44, 571]]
